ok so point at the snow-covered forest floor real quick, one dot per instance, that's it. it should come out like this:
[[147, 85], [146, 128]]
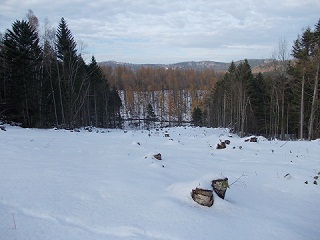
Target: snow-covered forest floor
[[105, 184]]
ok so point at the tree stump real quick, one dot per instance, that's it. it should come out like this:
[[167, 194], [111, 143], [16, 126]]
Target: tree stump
[[202, 197], [253, 139], [157, 156], [221, 145], [220, 187]]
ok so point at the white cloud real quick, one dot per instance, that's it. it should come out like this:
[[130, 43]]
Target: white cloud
[[169, 31]]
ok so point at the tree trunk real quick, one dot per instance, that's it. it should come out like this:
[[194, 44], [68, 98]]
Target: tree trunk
[[313, 106], [302, 105], [224, 109], [95, 108], [282, 113], [60, 95]]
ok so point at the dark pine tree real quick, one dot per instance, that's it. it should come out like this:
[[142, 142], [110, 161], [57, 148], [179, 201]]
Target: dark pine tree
[[71, 80], [258, 95], [98, 93], [114, 105], [197, 116], [22, 61], [151, 116]]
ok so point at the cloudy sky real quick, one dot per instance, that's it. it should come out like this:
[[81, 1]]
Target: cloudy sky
[[169, 31]]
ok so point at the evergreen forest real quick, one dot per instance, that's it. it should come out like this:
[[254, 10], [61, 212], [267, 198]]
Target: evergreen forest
[[45, 81]]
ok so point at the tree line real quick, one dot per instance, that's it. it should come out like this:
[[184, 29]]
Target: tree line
[[45, 82], [279, 103]]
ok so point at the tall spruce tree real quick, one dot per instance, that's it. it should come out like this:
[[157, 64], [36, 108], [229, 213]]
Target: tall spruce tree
[[98, 94], [66, 45], [22, 59], [71, 77], [257, 93]]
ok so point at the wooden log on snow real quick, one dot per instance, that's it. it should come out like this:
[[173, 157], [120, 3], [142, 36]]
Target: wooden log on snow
[[158, 156], [220, 187], [221, 145], [202, 196], [253, 139]]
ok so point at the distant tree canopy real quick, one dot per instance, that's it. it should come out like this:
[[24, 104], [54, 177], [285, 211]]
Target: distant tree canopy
[[47, 83]]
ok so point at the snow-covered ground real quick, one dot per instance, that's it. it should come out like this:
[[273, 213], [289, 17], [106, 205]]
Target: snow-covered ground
[[57, 184]]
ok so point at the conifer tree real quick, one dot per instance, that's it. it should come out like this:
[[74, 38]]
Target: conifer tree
[[66, 45], [151, 116], [197, 116], [72, 83], [98, 93], [22, 59], [114, 105]]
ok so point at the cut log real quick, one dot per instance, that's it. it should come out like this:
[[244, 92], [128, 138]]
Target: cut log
[[221, 145], [157, 156], [202, 196], [253, 139], [220, 187]]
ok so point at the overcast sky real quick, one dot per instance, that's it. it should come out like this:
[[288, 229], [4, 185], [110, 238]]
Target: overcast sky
[[169, 31]]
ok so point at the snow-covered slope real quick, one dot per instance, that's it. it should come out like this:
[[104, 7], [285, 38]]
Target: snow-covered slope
[[57, 184]]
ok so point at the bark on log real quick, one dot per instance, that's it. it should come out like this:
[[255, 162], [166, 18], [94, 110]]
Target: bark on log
[[220, 187], [202, 197], [157, 156], [221, 145], [253, 139]]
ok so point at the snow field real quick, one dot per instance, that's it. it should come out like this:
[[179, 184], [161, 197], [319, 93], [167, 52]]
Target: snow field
[[57, 184]]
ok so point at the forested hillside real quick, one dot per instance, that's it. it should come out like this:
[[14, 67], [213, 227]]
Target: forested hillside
[[45, 82], [202, 65], [170, 93]]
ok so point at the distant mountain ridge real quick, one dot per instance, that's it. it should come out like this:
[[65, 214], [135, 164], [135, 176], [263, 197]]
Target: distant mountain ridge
[[201, 65]]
